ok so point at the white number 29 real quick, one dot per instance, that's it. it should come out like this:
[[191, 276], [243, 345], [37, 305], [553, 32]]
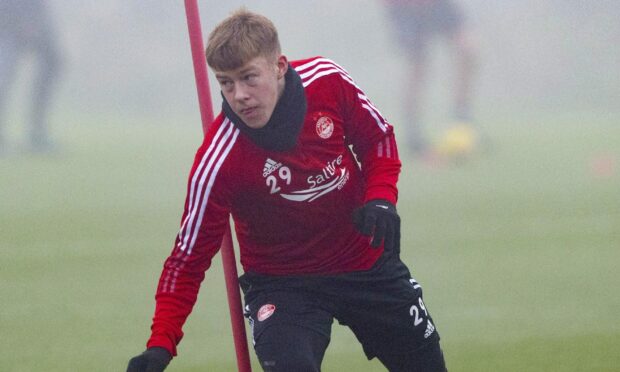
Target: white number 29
[[272, 181], [415, 312]]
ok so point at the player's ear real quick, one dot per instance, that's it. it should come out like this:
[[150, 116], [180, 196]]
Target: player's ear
[[282, 65]]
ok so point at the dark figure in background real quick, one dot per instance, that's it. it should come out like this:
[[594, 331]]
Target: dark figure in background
[[26, 28], [418, 23]]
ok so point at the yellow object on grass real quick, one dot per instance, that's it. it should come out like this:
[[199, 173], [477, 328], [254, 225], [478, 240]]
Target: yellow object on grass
[[457, 141]]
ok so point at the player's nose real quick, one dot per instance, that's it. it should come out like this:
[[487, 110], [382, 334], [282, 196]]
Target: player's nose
[[241, 94]]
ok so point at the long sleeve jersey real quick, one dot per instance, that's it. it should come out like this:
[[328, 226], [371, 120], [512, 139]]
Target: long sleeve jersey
[[291, 209]]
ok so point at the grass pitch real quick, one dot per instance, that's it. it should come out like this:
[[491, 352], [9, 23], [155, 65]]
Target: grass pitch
[[517, 250]]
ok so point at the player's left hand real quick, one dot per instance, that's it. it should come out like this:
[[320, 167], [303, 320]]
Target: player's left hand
[[378, 218]]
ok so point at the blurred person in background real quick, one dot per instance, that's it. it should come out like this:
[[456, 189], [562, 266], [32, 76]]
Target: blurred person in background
[[26, 28], [319, 236], [417, 25]]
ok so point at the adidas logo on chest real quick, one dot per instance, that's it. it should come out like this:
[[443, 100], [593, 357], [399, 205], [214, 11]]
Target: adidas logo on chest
[[270, 167]]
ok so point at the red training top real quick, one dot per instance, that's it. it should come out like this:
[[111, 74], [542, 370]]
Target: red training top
[[292, 209]]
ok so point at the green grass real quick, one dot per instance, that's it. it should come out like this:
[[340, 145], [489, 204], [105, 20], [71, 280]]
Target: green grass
[[517, 250]]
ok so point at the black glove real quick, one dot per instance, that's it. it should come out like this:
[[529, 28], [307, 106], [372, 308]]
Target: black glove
[[378, 218], [154, 359]]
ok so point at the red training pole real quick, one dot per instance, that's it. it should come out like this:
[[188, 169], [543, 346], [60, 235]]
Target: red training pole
[[228, 253], [200, 63]]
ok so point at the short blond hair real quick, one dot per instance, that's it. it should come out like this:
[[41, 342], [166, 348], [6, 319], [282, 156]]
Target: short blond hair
[[239, 38]]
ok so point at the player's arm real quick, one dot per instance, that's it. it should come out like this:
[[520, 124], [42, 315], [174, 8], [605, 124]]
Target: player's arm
[[372, 140], [204, 220]]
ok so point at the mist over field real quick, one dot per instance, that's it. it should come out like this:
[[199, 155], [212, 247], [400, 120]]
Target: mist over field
[[125, 57], [516, 247]]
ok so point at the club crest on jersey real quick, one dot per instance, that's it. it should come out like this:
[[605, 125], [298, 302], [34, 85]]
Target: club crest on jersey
[[324, 127], [265, 312]]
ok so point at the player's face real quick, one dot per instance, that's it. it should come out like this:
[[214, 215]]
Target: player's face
[[253, 90]]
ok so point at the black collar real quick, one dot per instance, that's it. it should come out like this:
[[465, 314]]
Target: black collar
[[282, 130]]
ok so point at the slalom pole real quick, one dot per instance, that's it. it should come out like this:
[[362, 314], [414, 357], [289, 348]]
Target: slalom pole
[[227, 251]]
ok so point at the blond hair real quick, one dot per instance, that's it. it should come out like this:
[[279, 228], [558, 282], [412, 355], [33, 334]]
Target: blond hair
[[240, 38]]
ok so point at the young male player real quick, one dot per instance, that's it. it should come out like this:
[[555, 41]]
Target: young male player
[[319, 236]]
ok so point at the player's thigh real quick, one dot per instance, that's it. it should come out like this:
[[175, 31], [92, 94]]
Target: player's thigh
[[396, 321], [290, 330], [291, 347]]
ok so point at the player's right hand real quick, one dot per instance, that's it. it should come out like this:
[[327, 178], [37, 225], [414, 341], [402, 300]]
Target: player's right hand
[[154, 359]]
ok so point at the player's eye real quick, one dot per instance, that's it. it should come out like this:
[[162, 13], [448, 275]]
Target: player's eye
[[226, 84], [250, 78]]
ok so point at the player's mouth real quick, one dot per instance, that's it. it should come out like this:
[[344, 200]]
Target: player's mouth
[[249, 112]]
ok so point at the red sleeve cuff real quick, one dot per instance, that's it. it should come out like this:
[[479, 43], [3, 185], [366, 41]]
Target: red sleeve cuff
[[162, 341], [386, 193]]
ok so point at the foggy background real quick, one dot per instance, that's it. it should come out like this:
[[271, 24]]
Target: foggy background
[[124, 59], [84, 231]]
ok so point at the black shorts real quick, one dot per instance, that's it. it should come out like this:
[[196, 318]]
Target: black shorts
[[416, 23], [383, 307]]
